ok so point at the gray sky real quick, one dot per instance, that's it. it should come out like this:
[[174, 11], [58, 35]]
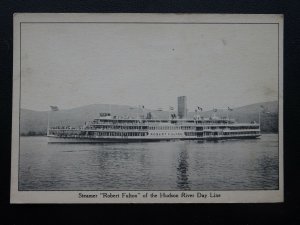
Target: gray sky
[[71, 65]]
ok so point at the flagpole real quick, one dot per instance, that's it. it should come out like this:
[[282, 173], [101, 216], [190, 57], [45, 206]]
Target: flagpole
[[200, 113], [227, 116], [170, 112], [143, 107], [48, 121]]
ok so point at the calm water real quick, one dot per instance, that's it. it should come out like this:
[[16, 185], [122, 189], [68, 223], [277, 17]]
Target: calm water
[[223, 165]]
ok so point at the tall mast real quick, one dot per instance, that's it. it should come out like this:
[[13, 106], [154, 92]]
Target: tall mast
[[48, 122]]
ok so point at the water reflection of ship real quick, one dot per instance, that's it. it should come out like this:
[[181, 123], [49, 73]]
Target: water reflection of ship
[[183, 168]]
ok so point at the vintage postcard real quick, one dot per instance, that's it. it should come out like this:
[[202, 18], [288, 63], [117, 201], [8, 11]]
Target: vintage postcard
[[147, 108]]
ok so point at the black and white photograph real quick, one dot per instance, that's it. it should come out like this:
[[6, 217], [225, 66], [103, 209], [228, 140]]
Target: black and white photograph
[[147, 108]]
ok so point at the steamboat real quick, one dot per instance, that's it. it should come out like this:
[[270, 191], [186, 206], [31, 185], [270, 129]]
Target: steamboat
[[107, 128]]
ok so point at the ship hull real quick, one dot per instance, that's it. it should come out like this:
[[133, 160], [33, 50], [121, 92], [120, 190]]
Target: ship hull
[[102, 140], [82, 140], [230, 138]]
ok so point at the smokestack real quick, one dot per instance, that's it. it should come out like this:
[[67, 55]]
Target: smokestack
[[182, 107]]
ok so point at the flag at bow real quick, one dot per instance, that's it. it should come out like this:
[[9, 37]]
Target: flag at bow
[[54, 108]]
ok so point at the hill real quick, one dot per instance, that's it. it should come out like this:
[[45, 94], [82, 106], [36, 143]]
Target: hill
[[35, 122]]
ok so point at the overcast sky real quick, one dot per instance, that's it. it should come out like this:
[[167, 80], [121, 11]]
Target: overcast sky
[[71, 65]]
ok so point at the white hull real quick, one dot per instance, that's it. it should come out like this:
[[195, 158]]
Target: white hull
[[53, 139]]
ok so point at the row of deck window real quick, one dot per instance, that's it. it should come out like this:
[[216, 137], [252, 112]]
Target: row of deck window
[[69, 132], [143, 127], [96, 121], [230, 133], [172, 128], [239, 133], [164, 134], [120, 127], [133, 134], [164, 128], [231, 128], [190, 133], [243, 128]]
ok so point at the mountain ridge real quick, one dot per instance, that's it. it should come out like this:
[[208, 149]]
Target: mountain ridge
[[35, 122], [96, 104]]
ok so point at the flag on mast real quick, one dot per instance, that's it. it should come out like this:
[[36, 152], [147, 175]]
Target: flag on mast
[[199, 108], [215, 110], [230, 109], [54, 108], [171, 108]]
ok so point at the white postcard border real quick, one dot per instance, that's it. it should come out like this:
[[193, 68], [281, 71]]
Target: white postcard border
[[250, 196]]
